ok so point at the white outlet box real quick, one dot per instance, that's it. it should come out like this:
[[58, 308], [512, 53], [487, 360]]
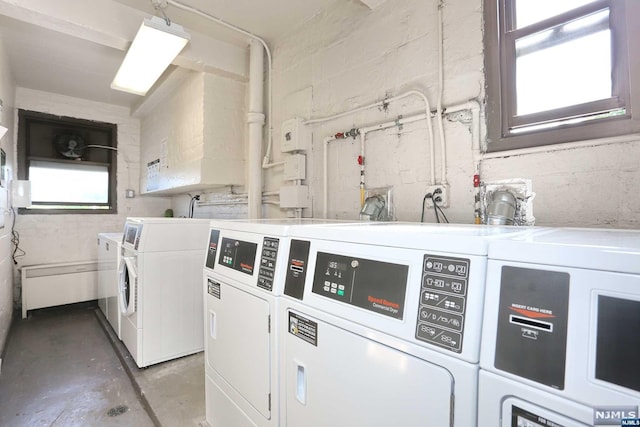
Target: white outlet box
[[295, 136], [295, 196], [444, 195], [295, 167]]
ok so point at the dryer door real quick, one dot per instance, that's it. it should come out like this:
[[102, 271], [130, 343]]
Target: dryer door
[[338, 378], [238, 343], [128, 286]]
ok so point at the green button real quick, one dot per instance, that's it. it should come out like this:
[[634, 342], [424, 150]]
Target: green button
[[341, 293]]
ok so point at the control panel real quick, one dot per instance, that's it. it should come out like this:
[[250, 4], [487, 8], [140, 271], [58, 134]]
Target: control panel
[[443, 300], [212, 250], [132, 235], [374, 285], [297, 268], [531, 338], [238, 255], [268, 258]]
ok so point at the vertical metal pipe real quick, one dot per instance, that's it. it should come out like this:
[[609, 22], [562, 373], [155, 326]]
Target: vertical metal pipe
[[255, 118]]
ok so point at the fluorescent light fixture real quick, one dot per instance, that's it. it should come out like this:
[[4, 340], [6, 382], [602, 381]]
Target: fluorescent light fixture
[[156, 44]]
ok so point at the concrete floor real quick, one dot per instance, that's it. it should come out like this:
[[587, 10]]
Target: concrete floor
[[65, 367]]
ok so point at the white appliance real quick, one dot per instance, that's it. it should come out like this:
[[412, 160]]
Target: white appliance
[[560, 344], [382, 324], [243, 277], [109, 245], [160, 288]]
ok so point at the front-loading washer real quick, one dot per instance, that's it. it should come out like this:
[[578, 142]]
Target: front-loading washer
[[109, 245], [560, 343], [382, 324], [243, 278], [160, 288]]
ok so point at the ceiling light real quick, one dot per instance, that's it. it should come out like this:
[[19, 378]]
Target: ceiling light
[[155, 46]]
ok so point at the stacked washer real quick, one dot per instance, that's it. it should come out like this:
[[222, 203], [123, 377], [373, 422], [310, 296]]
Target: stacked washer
[[382, 324], [160, 287], [560, 344], [243, 277], [108, 270]]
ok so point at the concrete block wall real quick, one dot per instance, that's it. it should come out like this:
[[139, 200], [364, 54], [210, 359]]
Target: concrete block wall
[[348, 56], [7, 94], [66, 238]]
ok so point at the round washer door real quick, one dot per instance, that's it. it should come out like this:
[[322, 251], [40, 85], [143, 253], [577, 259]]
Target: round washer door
[[128, 286]]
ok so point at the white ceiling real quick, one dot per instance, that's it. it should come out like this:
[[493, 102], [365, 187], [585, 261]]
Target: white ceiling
[[57, 54], [268, 19]]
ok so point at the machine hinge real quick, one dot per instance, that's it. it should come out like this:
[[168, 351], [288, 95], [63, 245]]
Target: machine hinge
[[269, 398], [269, 324]]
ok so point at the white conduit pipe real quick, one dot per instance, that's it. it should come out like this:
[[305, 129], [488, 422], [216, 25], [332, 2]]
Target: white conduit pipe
[[233, 202], [255, 118], [325, 177], [383, 103], [363, 132], [443, 152], [179, 5], [471, 105]]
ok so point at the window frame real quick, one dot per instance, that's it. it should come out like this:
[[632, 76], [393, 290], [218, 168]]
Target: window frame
[[500, 82], [109, 131]]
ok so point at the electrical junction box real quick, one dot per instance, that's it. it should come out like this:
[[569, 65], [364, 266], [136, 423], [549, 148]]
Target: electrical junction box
[[295, 135], [295, 167], [295, 196], [20, 193]]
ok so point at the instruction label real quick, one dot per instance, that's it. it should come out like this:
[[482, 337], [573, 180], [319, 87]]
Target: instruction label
[[303, 328], [213, 288]]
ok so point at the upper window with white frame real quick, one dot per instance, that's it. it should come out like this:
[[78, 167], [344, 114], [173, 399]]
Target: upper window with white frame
[[70, 162], [561, 70]]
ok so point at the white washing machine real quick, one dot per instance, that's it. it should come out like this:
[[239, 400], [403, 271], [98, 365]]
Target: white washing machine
[[560, 344], [161, 287], [382, 324], [243, 277], [109, 245]]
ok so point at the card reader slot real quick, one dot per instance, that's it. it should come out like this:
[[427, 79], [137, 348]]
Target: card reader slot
[[537, 324]]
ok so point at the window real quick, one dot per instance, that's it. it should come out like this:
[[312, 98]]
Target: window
[[71, 163], [561, 71]]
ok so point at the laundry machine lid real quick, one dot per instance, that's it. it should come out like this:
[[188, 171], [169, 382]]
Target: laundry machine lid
[[595, 249], [274, 227], [115, 238], [455, 238], [168, 234]]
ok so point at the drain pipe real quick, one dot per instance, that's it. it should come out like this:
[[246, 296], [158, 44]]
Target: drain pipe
[[255, 118], [443, 144]]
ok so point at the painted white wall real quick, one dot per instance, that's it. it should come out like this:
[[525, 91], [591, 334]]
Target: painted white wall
[[7, 94], [197, 134], [66, 238], [348, 56]]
